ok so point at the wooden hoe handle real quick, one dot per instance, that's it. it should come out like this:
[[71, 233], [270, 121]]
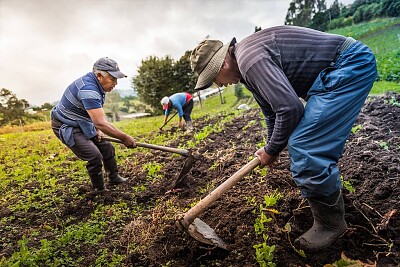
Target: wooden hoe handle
[[183, 152], [206, 202]]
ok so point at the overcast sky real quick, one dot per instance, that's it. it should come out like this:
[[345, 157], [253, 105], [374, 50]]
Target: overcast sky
[[47, 44]]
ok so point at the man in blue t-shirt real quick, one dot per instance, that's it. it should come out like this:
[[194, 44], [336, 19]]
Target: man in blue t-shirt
[[78, 120]]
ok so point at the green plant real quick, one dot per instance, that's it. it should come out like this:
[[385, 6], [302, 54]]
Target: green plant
[[356, 128], [384, 145], [264, 252], [393, 101], [152, 168], [347, 184]]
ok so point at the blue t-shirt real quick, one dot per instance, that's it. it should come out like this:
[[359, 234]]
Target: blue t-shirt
[[178, 100]]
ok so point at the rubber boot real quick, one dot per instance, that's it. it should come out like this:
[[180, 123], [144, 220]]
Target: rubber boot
[[329, 223], [112, 171], [97, 180], [189, 125]]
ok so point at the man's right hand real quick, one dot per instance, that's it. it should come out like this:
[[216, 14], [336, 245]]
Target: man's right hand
[[266, 160], [129, 141]]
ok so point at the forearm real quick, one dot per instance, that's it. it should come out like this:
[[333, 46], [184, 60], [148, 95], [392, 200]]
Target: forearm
[[110, 130]]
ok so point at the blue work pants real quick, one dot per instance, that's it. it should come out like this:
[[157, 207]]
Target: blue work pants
[[333, 104]]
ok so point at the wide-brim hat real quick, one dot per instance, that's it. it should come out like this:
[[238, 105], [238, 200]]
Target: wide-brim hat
[[206, 60]]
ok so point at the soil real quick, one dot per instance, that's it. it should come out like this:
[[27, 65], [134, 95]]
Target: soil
[[370, 164]]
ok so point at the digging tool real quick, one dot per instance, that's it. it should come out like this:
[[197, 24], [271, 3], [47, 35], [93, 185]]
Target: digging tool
[[199, 229], [168, 121], [185, 170], [182, 152]]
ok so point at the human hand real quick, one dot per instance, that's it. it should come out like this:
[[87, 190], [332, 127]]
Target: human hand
[[100, 134], [266, 160], [130, 142]]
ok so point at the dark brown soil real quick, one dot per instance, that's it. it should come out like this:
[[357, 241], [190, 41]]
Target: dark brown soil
[[370, 163]]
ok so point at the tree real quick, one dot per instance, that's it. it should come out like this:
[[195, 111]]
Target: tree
[[154, 80], [159, 77], [46, 106], [184, 76], [11, 108]]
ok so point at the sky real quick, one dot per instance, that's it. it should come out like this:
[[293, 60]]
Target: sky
[[47, 44]]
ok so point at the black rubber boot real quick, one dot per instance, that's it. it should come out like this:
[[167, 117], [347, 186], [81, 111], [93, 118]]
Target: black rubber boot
[[97, 180], [112, 171], [329, 223]]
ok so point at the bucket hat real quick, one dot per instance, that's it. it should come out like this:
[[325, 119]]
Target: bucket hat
[[206, 60]]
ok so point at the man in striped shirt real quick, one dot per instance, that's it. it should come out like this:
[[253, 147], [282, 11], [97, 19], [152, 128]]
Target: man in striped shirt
[[279, 65], [79, 121]]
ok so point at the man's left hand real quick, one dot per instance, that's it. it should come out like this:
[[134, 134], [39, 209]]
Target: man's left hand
[[100, 134]]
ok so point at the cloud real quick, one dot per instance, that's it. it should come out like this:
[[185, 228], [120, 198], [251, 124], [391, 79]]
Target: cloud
[[47, 44]]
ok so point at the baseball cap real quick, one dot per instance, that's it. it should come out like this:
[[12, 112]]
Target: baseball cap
[[164, 102], [206, 60], [109, 65]]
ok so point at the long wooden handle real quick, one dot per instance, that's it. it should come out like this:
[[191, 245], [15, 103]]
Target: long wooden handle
[[206, 202], [183, 152], [168, 120]]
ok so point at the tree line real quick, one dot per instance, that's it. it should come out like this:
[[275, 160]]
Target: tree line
[[315, 14]]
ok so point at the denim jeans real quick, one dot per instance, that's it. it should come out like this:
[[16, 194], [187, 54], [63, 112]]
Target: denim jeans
[[333, 104]]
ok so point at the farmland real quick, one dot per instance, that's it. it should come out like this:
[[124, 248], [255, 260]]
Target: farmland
[[49, 216]]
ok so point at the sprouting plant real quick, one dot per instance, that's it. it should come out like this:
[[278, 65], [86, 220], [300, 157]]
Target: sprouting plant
[[263, 173], [384, 145], [393, 101], [249, 124], [208, 187], [264, 252], [250, 200], [260, 145], [347, 184], [152, 168], [356, 128]]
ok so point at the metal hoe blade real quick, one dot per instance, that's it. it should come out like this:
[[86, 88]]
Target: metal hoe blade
[[187, 166], [190, 222], [205, 234]]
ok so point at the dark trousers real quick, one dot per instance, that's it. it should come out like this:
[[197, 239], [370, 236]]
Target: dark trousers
[[187, 110], [89, 150]]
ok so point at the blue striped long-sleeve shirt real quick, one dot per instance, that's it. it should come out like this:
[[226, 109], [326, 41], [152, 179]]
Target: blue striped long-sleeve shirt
[[279, 65], [83, 94]]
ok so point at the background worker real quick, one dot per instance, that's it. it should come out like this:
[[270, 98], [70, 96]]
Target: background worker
[[334, 74], [183, 103], [79, 121]]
